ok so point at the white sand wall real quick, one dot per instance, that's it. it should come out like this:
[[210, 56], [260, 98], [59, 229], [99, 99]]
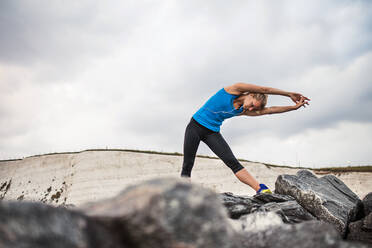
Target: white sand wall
[[78, 178]]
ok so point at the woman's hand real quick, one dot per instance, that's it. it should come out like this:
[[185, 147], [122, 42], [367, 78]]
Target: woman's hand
[[296, 97], [301, 102]]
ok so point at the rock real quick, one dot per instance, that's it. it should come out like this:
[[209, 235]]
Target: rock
[[361, 230], [166, 213], [290, 211], [327, 198], [357, 213], [265, 198], [26, 225], [304, 235], [171, 213], [259, 221], [283, 205], [367, 204], [239, 205], [367, 222]]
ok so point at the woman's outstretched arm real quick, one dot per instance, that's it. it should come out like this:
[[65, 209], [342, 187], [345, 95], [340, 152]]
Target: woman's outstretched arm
[[277, 109], [241, 88]]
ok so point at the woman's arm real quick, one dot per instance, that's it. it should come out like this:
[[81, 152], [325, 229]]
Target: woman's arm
[[240, 88], [276, 109]]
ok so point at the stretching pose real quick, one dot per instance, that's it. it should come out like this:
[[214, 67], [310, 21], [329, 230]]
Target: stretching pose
[[239, 99]]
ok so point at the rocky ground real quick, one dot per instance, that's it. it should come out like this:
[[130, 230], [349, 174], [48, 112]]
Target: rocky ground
[[305, 211]]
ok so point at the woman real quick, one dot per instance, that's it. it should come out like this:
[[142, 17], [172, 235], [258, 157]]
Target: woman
[[239, 99]]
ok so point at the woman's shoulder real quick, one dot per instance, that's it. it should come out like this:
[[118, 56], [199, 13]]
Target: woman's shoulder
[[232, 90]]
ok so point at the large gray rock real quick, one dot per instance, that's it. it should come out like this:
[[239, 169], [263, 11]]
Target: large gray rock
[[167, 213], [367, 223], [266, 198], [290, 211], [367, 204], [327, 198], [259, 221], [308, 234], [361, 230], [239, 205], [283, 205], [29, 225]]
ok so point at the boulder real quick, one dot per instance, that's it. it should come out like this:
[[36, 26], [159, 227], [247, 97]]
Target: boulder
[[266, 198], [239, 205], [166, 212], [290, 211], [367, 223], [30, 224], [327, 198], [303, 235], [361, 230], [367, 204], [283, 205], [259, 221]]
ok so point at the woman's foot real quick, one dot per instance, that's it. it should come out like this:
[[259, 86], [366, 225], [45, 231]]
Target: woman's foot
[[263, 189]]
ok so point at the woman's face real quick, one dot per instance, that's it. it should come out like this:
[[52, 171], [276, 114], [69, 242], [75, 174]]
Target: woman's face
[[251, 104]]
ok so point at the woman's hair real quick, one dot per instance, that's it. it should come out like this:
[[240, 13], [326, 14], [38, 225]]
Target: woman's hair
[[260, 97]]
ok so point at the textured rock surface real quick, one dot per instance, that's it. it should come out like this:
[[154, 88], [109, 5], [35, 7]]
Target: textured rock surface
[[327, 198], [367, 204], [167, 213], [309, 234], [26, 225], [360, 230], [259, 221], [239, 205], [290, 211], [367, 223], [266, 198], [283, 205]]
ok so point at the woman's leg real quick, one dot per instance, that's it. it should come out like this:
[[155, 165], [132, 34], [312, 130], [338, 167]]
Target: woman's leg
[[190, 147], [219, 146], [244, 176]]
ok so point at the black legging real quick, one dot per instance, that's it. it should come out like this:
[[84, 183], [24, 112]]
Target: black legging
[[214, 140]]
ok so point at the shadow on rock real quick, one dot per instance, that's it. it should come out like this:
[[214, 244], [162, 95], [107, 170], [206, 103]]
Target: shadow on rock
[[308, 234], [28, 224], [166, 213]]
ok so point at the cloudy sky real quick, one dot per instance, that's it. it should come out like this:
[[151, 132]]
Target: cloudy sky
[[130, 74]]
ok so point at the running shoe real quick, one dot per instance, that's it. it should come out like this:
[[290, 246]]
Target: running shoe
[[264, 189]]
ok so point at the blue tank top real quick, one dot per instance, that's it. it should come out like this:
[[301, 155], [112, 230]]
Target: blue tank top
[[218, 108]]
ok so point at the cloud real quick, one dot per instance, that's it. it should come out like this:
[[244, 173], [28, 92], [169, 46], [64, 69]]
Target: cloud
[[337, 94], [339, 145], [58, 40], [131, 74]]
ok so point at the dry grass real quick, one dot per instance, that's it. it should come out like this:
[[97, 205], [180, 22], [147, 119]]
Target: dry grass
[[365, 168]]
